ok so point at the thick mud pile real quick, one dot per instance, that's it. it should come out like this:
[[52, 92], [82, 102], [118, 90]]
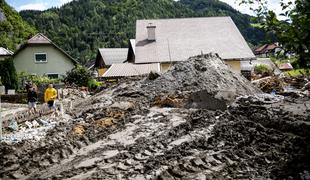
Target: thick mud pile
[[201, 82], [127, 132]]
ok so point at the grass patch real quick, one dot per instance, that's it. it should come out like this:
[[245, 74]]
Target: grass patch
[[298, 72]]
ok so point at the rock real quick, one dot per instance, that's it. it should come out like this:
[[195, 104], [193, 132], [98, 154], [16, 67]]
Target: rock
[[139, 157], [126, 106], [122, 167], [147, 153], [153, 75]]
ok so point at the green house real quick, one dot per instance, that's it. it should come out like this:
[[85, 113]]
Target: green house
[[40, 56]]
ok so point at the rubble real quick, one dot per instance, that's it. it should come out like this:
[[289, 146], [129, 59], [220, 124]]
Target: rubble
[[163, 129], [282, 85]]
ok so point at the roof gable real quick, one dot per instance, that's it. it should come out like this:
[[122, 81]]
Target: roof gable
[[178, 39], [39, 39]]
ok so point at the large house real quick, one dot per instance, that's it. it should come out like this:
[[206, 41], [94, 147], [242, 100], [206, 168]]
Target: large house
[[5, 53], [40, 56], [166, 41]]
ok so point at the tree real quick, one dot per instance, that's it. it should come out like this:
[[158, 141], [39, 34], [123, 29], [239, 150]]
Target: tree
[[79, 76], [8, 74], [293, 32]]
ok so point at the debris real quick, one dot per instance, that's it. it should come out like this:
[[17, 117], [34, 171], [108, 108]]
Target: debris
[[269, 84], [119, 132], [105, 122], [169, 101], [126, 106], [78, 130], [13, 125], [29, 124]]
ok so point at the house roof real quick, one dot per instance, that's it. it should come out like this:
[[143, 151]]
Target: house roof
[[179, 39], [130, 69], [261, 48], [112, 55], [40, 39], [285, 66], [5, 52], [265, 48]]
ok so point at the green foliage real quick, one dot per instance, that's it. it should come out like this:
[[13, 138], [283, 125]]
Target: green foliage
[[13, 30], [298, 72], [36, 79], [8, 74], [79, 76], [80, 27], [93, 84], [293, 31], [263, 69]]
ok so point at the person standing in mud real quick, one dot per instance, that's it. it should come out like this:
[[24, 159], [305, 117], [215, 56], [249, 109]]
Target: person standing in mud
[[28, 86], [50, 96], [32, 99]]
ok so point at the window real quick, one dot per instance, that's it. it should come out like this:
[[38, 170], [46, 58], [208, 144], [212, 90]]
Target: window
[[40, 57], [53, 76]]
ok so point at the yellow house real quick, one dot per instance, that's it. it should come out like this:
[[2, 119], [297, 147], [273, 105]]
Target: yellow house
[[167, 41], [40, 56]]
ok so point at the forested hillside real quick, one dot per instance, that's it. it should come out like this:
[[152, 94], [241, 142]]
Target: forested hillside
[[13, 30], [80, 27]]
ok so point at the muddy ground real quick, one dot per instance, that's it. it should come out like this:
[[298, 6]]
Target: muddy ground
[[164, 129]]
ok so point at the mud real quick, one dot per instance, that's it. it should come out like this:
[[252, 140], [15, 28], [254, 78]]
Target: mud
[[127, 132]]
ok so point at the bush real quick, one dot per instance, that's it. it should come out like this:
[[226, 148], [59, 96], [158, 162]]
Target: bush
[[36, 79], [263, 69], [8, 74], [93, 84], [79, 76]]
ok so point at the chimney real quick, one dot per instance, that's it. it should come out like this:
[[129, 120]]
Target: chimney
[[151, 32]]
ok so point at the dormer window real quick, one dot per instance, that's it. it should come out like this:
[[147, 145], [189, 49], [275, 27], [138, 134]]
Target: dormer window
[[40, 57]]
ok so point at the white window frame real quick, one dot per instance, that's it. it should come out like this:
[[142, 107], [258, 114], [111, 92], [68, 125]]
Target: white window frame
[[35, 60]]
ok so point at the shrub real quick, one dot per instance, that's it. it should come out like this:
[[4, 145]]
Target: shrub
[[36, 79], [79, 76], [263, 69], [93, 84], [8, 74]]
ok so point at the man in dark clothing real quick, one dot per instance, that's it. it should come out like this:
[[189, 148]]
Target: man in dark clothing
[[32, 99], [28, 85]]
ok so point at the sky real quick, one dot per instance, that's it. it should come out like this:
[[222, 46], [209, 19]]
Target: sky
[[45, 4]]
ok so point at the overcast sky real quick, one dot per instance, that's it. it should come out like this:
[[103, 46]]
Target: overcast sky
[[45, 4]]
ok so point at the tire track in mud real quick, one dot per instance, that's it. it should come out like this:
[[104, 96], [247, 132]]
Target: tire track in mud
[[155, 135]]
